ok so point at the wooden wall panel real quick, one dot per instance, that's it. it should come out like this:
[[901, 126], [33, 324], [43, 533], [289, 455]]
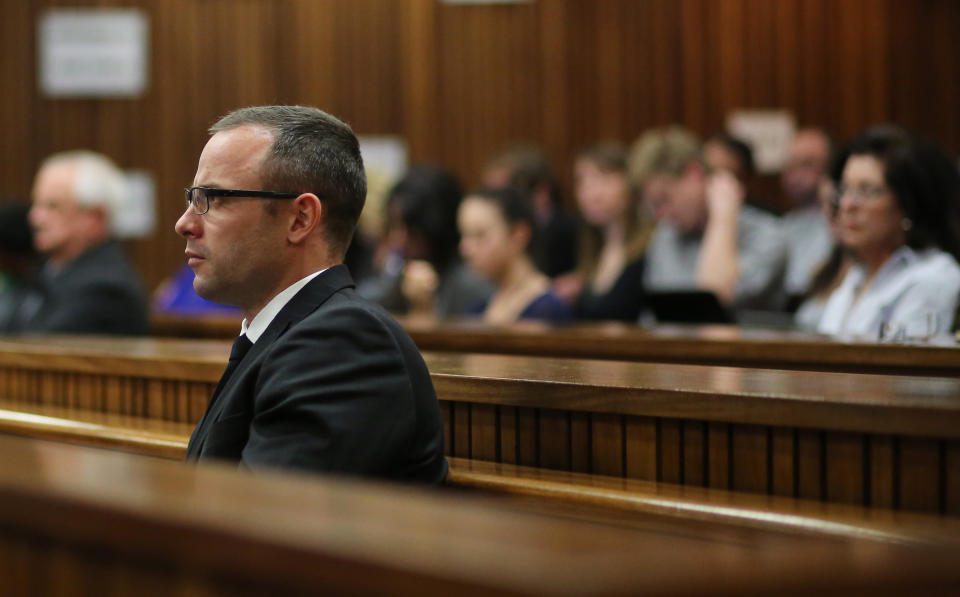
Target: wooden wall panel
[[751, 458], [461, 81], [483, 432], [783, 450], [554, 439], [921, 475], [671, 451], [718, 449], [642, 452], [845, 468], [882, 469]]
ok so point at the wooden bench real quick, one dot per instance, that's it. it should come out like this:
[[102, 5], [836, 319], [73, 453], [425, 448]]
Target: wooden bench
[[622, 502], [706, 345], [136, 435], [875, 440], [77, 521]]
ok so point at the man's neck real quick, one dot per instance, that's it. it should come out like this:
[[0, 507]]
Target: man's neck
[[292, 277]]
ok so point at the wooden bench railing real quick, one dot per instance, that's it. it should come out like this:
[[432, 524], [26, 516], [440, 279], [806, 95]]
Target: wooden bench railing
[[76, 521], [573, 495], [875, 440], [704, 345], [136, 435]]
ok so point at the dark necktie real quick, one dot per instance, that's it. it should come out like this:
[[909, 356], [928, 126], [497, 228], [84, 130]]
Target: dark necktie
[[240, 348]]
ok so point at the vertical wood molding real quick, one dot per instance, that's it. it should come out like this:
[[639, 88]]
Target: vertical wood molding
[[459, 82]]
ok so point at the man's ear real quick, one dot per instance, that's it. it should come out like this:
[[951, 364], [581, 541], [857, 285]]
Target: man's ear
[[307, 215], [98, 219]]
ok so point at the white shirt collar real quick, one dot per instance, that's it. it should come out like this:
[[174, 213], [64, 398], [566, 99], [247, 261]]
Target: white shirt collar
[[254, 329]]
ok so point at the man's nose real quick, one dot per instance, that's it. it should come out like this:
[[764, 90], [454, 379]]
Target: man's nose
[[189, 224]]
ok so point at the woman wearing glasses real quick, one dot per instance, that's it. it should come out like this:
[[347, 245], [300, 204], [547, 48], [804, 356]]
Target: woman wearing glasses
[[898, 214]]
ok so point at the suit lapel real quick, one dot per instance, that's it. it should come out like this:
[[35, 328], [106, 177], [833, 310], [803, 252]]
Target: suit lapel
[[305, 302], [311, 296]]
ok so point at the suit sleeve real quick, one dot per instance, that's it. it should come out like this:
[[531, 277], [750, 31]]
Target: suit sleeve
[[100, 308], [333, 395]]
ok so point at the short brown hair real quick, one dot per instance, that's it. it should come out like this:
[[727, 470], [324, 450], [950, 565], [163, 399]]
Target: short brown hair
[[312, 152]]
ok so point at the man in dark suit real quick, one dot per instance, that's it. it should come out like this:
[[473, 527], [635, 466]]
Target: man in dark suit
[[86, 284], [319, 379]]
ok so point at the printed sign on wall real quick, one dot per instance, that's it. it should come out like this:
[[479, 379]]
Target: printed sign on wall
[[93, 52]]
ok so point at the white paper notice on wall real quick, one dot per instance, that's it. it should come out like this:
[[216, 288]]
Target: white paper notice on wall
[[137, 217], [93, 52], [768, 132]]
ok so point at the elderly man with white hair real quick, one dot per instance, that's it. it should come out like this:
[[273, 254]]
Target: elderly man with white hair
[[87, 284]]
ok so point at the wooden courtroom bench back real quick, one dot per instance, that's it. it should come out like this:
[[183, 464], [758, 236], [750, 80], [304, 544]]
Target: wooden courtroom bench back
[[725, 345], [882, 441], [134, 526], [705, 345], [595, 498]]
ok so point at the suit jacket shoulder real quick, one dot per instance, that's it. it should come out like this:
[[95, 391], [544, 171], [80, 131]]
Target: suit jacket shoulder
[[334, 384], [98, 293]]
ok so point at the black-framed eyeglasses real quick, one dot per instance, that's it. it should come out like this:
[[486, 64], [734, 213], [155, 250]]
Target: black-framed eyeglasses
[[199, 197]]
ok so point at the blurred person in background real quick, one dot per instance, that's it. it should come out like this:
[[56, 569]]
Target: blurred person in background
[[705, 237], [899, 216], [18, 263], [421, 271], [805, 229], [831, 272], [553, 245], [496, 226], [726, 152], [608, 283], [87, 285], [176, 295]]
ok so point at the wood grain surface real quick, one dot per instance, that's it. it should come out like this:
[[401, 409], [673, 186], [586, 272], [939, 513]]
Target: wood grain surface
[[879, 440], [704, 345], [459, 82], [126, 524]]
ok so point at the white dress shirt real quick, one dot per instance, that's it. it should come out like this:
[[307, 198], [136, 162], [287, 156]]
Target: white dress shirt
[[914, 295], [261, 320]]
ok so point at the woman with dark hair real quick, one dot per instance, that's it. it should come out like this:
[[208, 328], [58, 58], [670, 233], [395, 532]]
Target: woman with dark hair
[[899, 217], [831, 272], [553, 246], [496, 226], [608, 283], [422, 271]]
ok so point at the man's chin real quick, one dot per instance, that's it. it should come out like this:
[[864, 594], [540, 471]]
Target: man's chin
[[204, 289]]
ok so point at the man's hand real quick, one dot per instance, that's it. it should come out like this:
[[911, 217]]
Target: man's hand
[[718, 264], [725, 196]]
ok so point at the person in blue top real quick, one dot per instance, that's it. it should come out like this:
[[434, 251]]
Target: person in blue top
[[176, 296], [495, 230]]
